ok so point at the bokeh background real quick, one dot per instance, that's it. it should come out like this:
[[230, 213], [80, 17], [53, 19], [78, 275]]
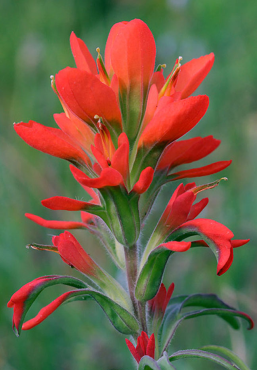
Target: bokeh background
[[34, 45]]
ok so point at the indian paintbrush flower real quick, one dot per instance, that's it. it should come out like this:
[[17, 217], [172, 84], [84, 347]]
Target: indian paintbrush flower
[[121, 132]]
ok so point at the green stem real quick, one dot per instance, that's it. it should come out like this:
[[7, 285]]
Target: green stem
[[142, 315], [131, 269]]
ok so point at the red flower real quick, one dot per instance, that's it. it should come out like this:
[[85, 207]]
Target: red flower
[[145, 346]]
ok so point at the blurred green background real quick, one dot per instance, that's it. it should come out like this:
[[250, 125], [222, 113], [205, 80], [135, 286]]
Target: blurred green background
[[34, 45]]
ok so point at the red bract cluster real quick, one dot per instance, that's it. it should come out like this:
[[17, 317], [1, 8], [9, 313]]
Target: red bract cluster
[[145, 346], [121, 131]]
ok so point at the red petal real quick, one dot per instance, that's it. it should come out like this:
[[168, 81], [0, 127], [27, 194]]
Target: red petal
[[116, 28], [158, 80], [174, 151], [202, 171], [219, 235], [197, 209], [46, 311], [133, 54], [133, 350], [87, 218], [176, 246], [19, 298], [174, 120], [160, 297], [168, 297], [151, 346], [145, 179], [52, 224], [72, 252], [177, 213], [109, 177], [99, 157], [187, 151], [76, 129], [193, 73], [239, 242], [51, 141], [120, 159], [82, 55], [65, 204], [86, 96]]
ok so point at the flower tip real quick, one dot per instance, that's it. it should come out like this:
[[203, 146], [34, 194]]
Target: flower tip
[[98, 50]]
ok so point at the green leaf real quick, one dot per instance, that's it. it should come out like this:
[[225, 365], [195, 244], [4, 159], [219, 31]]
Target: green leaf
[[212, 306], [151, 274], [148, 363], [210, 301], [196, 353], [231, 355], [120, 318]]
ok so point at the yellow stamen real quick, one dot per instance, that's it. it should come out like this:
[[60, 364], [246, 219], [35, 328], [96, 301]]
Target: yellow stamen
[[166, 89], [103, 75]]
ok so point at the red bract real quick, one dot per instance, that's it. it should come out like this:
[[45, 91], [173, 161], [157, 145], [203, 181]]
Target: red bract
[[19, 298], [178, 222], [192, 74], [74, 255], [145, 346], [174, 120], [51, 141], [159, 303]]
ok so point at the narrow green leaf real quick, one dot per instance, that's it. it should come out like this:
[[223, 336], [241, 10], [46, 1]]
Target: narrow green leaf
[[231, 355], [196, 353], [210, 301], [174, 318]]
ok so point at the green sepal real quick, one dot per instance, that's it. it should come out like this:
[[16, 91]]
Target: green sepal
[[196, 353], [150, 277], [212, 306], [123, 215], [229, 354], [148, 363]]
